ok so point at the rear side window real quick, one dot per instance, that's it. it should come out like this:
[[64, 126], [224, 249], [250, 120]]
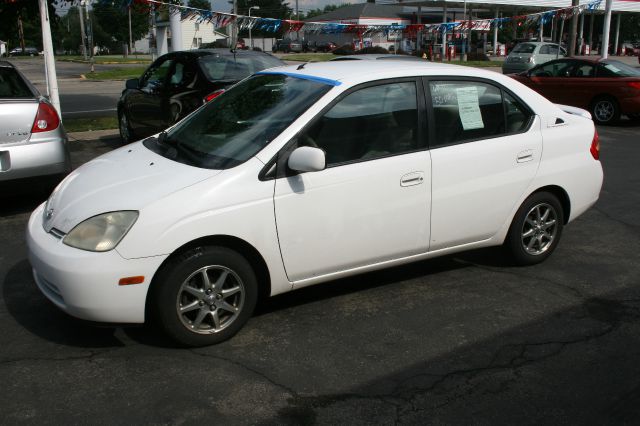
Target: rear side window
[[12, 86], [470, 110], [216, 67]]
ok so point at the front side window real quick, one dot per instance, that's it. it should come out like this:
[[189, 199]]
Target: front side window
[[554, 69], [156, 76], [466, 110], [240, 122], [370, 123], [616, 69]]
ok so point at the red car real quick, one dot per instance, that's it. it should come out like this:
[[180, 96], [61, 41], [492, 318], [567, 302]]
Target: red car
[[606, 88]]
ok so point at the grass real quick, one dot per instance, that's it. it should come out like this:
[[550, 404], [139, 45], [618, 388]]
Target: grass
[[116, 74], [87, 124], [109, 59]]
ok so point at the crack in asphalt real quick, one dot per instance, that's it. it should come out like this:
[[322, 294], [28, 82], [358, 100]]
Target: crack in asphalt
[[90, 356], [635, 227]]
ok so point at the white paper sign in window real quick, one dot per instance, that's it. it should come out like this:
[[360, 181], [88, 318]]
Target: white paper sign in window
[[469, 108]]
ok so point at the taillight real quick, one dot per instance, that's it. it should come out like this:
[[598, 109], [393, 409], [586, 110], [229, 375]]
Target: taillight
[[634, 84], [46, 119], [212, 96], [595, 146]]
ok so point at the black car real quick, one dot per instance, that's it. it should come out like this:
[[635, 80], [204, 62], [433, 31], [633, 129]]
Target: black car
[[179, 82]]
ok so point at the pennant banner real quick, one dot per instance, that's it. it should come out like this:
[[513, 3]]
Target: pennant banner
[[222, 19]]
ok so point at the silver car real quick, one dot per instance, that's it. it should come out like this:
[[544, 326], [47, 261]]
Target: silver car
[[33, 142], [527, 55]]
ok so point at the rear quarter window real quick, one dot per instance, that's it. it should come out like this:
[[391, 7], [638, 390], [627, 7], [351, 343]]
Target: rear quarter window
[[12, 86], [236, 68]]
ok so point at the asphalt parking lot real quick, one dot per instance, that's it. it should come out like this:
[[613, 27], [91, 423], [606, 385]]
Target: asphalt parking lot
[[456, 340]]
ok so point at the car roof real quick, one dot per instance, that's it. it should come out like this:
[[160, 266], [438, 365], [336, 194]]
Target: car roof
[[355, 72], [374, 56]]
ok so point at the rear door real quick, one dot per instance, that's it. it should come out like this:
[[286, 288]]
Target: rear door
[[485, 148]]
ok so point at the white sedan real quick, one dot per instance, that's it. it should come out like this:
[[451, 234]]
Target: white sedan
[[303, 174]]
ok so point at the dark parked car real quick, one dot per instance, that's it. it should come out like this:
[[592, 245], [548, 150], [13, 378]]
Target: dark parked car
[[179, 82], [286, 45], [325, 46], [606, 88], [28, 51]]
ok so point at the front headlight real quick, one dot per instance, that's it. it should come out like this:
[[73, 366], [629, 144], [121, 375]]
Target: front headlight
[[102, 232]]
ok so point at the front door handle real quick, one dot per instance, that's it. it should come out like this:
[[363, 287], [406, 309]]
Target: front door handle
[[413, 178], [525, 156]]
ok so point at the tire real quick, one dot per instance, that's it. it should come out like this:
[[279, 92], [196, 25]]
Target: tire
[[194, 313], [126, 134], [536, 229], [605, 110]]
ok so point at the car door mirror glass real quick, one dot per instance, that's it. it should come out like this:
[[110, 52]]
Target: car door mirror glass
[[307, 159], [133, 83]]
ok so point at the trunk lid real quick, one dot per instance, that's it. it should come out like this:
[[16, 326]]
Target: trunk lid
[[16, 120]]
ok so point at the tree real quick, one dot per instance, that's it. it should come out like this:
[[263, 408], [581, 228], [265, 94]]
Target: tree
[[200, 4], [328, 8], [111, 22], [28, 12]]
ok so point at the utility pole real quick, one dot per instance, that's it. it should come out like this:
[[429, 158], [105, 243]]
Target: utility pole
[[234, 29], [21, 32], [130, 36], [574, 29], [605, 32], [83, 35], [49, 61]]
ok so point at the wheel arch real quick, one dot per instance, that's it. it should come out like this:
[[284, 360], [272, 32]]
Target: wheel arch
[[562, 196], [239, 245]]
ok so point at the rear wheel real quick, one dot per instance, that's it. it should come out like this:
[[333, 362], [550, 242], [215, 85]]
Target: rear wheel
[[536, 229], [204, 296], [605, 110]]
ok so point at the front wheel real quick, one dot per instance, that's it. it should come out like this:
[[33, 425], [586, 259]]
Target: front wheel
[[126, 134], [204, 296], [536, 229]]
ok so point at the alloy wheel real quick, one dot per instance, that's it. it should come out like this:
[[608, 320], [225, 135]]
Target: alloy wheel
[[539, 229], [210, 299], [604, 110]]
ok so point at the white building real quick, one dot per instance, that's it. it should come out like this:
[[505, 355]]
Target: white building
[[194, 35]]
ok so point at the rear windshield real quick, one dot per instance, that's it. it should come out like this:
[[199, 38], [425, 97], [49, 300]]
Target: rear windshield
[[217, 67], [12, 85], [616, 69], [236, 125], [524, 48]]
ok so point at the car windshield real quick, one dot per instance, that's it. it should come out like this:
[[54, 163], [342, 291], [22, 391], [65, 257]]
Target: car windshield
[[235, 67], [618, 69], [524, 48], [12, 86], [240, 122]]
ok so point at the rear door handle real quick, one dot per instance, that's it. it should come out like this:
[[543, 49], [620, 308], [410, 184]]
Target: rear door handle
[[525, 156], [413, 178]]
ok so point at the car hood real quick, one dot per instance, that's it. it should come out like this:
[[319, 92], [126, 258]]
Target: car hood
[[128, 178]]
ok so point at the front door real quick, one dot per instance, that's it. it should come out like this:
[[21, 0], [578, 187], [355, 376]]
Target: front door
[[147, 114], [372, 202]]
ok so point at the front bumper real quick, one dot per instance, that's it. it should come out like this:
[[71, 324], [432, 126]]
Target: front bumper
[[34, 159], [85, 284]]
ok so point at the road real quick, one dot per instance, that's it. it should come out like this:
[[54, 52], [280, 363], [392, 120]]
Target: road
[[463, 339], [78, 97]]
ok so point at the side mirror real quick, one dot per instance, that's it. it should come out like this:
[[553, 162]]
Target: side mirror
[[133, 83], [307, 159]]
